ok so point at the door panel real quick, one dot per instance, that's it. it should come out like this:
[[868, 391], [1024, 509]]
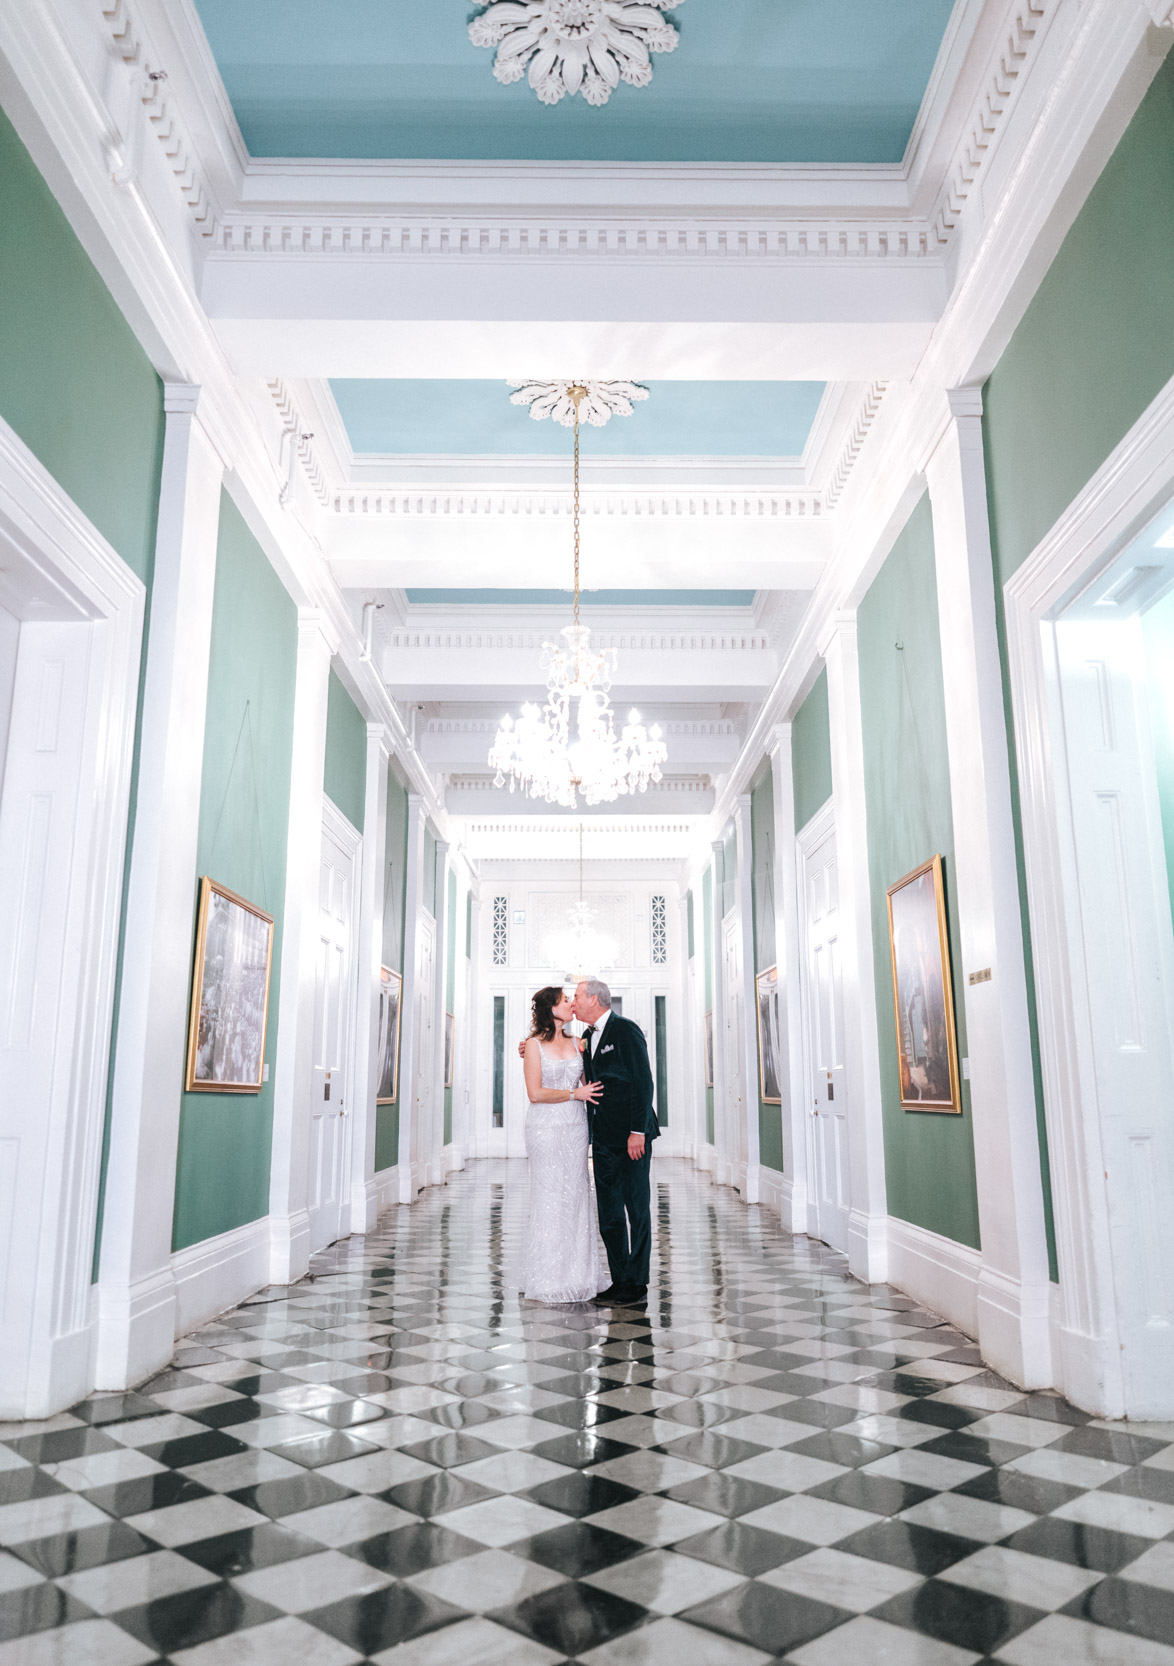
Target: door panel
[[332, 1024], [831, 1192]]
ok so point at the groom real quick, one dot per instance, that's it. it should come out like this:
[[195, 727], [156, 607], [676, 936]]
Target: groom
[[623, 1127]]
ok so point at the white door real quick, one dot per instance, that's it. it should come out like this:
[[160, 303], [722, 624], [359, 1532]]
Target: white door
[[831, 1192], [1124, 912], [425, 1098], [332, 1038], [735, 1112]]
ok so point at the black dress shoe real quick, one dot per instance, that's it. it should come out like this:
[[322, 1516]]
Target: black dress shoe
[[636, 1293], [613, 1293]]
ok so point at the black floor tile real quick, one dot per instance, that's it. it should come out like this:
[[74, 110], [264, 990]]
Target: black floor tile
[[1127, 1605], [89, 1547], [821, 1414], [920, 1549], [572, 1618], [17, 1486], [712, 1450], [190, 1450], [291, 1493], [881, 1494], [582, 1448], [956, 1614], [117, 1408], [581, 1495], [1156, 1485], [743, 1549], [577, 1549], [433, 1495], [766, 1618], [250, 1548], [60, 1445], [347, 1414], [725, 1495], [188, 1618], [1117, 1445], [461, 1414], [37, 1608], [382, 1619], [147, 1492], [1078, 1544], [1021, 1492], [580, 1414], [973, 1449], [847, 1450], [316, 1451], [410, 1549], [449, 1451]]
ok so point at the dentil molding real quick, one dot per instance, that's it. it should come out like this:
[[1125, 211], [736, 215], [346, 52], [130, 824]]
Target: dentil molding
[[604, 504]]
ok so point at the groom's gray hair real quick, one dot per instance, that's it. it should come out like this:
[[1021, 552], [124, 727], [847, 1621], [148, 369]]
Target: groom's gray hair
[[597, 990]]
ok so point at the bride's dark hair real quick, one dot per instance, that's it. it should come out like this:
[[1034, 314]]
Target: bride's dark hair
[[542, 1007]]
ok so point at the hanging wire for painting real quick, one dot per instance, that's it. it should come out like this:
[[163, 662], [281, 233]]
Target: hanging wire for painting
[[246, 722], [927, 796]]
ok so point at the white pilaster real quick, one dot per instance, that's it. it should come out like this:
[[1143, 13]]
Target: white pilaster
[[136, 1291], [437, 1171], [748, 1039], [369, 955], [867, 1254], [289, 1220], [788, 951], [409, 1041], [1014, 1291], [722, 1155]]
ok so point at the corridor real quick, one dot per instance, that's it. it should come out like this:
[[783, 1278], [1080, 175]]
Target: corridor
[[396, 1460]]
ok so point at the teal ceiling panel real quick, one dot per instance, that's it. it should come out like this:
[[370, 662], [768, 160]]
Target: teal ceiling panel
[[781, 81], [475, 418]]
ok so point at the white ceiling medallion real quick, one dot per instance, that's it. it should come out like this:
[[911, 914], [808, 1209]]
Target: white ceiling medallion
[[595, 402], [574, 46]]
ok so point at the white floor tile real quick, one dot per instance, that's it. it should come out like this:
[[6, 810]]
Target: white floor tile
[[86, 1643], [665, 1582], [491, 1579], [1061, 1640], [285, 1642], [501, 1521], [469, 1643], [312, 1581], [201, 1518], [844, 1581], [135, 1580], [672, 1642], [816, 1520], [875, 1643], [1036, 1581], [348, 1520], [1120, 1513]]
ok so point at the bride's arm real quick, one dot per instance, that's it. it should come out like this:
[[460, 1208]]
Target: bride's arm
[[538, 1095]]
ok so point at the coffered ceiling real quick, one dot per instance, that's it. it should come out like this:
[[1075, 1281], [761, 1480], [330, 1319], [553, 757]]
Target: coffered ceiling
[[758, 81]]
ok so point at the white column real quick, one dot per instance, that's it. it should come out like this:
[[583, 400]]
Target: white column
[[289, 1219], [867, 1249], [136, 1291], [682, 1072], [437, 1171], [722, 1160], [462, 981], [788, 951], [1013, 1295], [744, 902], [408, 1038], [369, 957]]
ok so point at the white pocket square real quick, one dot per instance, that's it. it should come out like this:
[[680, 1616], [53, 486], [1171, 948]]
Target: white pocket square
[[604, 1050]]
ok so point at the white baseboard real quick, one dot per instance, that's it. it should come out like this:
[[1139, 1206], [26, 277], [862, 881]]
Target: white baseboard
[[771, 1194], [793, 1206], [453, 1157], [385, 1189], [936, 1272], [289, 1247], [137, 1327], [220, 1272]]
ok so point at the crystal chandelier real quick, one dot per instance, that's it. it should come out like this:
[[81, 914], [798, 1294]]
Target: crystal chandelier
[[583, 951], [569, 748]]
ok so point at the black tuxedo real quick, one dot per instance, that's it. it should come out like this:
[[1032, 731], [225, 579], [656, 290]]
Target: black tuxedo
[[620, 1062]]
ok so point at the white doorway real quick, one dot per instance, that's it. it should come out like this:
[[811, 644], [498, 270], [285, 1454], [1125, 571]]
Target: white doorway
[[823, 1004], [333, 1026], [425, 1146], [733, 1158]]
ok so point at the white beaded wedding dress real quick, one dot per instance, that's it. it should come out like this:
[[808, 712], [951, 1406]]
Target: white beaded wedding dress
[[562, 1244]]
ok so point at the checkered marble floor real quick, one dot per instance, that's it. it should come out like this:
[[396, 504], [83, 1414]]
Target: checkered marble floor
[[398, 1461]]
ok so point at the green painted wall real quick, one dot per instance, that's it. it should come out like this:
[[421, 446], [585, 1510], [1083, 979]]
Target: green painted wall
[[707, 955], [395, 879], [811, 752], [1158, 632], [450, 986], [74, 382], [689, 909], [762, 886], [222, 1178], [345, 779], [1095, 346], [1091, 352], [929, 1158], [728, 868]]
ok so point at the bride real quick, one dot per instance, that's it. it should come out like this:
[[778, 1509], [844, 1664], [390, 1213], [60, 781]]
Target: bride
[[562, 1259]]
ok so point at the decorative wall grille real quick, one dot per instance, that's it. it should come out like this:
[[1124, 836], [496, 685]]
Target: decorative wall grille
[[660, 936], [501, 931]]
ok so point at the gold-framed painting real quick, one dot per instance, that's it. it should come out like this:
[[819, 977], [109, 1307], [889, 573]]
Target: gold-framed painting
[[770, 1029], [450, 1040], [391, 986], [709, 1048], [230, 993], [923, 992]]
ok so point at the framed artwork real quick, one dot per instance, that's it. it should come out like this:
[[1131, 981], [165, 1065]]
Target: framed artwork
[[390, 990], [230, 993], [923, 992], [709, 1049], [770, 1051], [450, 1025]]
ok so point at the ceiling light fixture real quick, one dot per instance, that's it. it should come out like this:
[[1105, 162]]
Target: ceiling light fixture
[[583, 951], [569, 747], [575, 46]]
